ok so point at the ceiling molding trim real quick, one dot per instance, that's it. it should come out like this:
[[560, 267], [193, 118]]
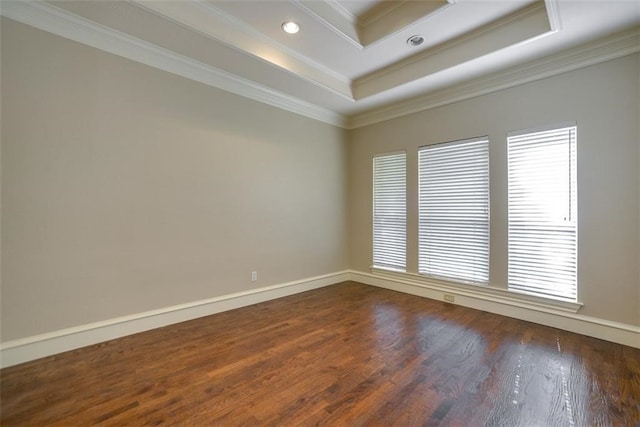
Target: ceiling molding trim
[[519, 27], [257, 34], [514, 19], [236, 34], [327, 13], [342, 11], [64, 24], [607, 49], [553, 11], [378, 11], [389, 18], [360, 34]]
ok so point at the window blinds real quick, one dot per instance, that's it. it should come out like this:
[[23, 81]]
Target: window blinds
[[453, 226], [543, 213], [390, 211]]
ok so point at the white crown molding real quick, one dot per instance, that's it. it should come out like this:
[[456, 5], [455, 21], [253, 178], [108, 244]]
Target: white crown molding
[[38, 346], [388, 18], [56, 21], [593, 53], [553, 11], [342, 11], [217, 25], [515, 307], [48, 18], [362, 32], [526, 24], [329, 13], [378, 11]]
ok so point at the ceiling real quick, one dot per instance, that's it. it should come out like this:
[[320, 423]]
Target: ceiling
[[350, 63]]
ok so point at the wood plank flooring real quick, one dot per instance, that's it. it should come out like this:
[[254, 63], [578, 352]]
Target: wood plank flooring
[[343, 355]]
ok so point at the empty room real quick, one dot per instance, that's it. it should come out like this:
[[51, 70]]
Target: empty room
[[320, 212]]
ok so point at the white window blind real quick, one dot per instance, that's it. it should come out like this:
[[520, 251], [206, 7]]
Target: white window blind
[[453, 227], [390, 211], [543, 213]]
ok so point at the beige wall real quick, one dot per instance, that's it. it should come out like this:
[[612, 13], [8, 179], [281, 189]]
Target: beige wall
[[126, 189], [603, 101]]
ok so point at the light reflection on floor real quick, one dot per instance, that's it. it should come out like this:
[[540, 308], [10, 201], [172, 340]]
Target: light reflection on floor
[[544, 381]]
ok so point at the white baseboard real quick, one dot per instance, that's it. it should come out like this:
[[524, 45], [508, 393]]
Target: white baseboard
[[38, 346], [519, 308]]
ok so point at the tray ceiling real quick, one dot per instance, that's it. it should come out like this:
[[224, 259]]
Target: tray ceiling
[[350, 56]]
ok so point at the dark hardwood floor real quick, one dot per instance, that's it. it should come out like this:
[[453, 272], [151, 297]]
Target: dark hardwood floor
[[344, 355]]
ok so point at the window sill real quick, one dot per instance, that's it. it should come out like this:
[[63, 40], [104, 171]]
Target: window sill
[[483, 292]]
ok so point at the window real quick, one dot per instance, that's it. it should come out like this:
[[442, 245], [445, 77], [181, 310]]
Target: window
[[543, 213], [453, 215], [390, 211]]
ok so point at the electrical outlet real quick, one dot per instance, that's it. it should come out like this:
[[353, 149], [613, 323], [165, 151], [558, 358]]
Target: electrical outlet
[[254, 276], [449, 298]]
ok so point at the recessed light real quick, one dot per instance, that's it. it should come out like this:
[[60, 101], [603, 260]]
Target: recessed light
[[290, 27], [416, 40]]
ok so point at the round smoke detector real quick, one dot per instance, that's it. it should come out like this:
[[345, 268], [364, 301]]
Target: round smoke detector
[[416, 40]]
